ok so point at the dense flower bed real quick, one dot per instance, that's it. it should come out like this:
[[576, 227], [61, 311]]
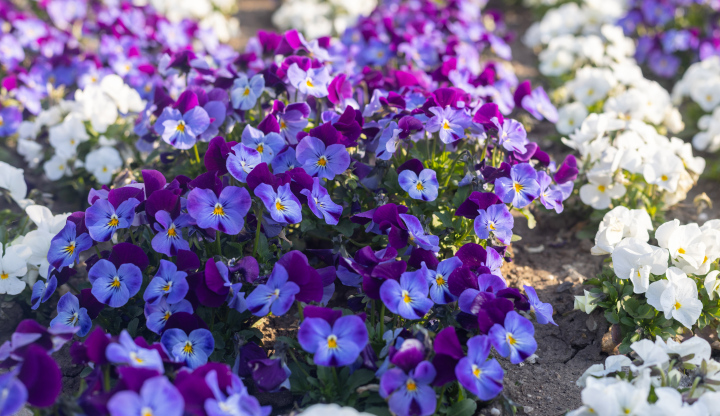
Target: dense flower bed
[[384, 166]]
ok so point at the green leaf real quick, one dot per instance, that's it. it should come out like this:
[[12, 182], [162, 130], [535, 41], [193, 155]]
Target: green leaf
[[346, 227], [612, 317], [645, 312], [359, 378], [445, 218], [530, 217], [465, 407], [132, 327]]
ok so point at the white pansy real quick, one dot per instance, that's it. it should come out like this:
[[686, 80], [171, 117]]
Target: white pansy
[[677, 297], [601, 190], [586, 302], [13, 266], [57, 167], [635, 260], [103, 163], [620, 223], [66, 136], [12, 181]]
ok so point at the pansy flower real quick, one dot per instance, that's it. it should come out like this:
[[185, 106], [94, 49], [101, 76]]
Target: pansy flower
[[126, 351], [521, 188], [70, 314], [410, 393], [496, 220], [293, 119], [245, 93], [225, 213], [16, 393], [450, 123], [511, 135], [313, 82], [157, 396], [114, 286], [333, 345], [423, 186], [13, 266], [191, 349], [283, 205], [550, 197], [285, 161], [158, 314], [539, 105], [438, 280], [276, 296], [42, 291], [417, 236], [242, 161], [543, 311], [323, 161], [237, 401], [267, 145], [321, 204], [168, 283], [515, 338], [169, 239], [181, 130], [10, 118], [480, 376], [407, 298], [103, 219], [66, 246]]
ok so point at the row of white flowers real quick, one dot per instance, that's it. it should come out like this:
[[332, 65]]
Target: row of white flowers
[[615, 118]]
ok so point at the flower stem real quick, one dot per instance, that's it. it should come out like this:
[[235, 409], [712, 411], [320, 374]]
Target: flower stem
[[292, 355], [300, 310], [452, 167], [258, 216], [197, 154], [217, 241], [106, 378], [382, 319]]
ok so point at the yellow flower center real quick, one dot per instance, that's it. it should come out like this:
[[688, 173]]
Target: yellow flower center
[[134, 357], [167, 287], [4, 276], [180, 127], [511, 340], [664, 177], [476, 371], [114, 221], [677, 305], [518, 187], [332, 341], [705, 260], [491, 225], [278, 205], [70, 248], [591, 92], [322, 161], [309, 83], [446, 125], [246, 92], [681, 250], [218, 210], [72, 142], [167, 315], [2, 121], [171, 232], [146, 411], [115, 283], [601, 188], [283, 125], [440, 280], [188, 348], [260, 148], [419, 186], [411, 385], [406, 296]]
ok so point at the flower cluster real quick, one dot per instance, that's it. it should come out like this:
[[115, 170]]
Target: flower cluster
[[706, 95], [615, 118], [672, 34], [663, 287], [80, 98], [317, 18], [660, 378]]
